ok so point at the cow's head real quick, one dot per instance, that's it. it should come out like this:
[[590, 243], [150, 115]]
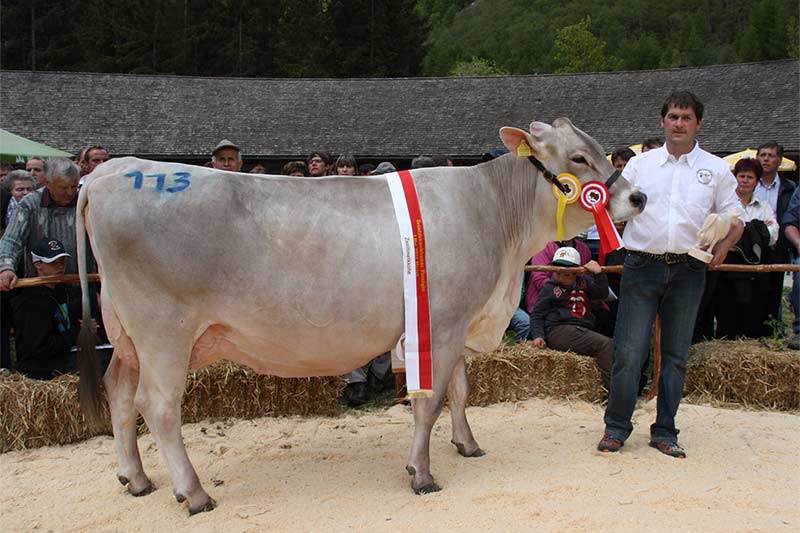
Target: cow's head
[[563, 148]]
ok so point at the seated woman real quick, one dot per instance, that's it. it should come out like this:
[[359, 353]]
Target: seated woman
[[737, 299]]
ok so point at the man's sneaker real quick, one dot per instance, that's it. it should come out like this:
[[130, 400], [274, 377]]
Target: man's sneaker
[[609, 444], [669, 448]]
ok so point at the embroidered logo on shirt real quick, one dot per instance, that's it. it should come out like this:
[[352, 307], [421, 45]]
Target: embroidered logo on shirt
[[577, 303], [558, 292], [704, 176]]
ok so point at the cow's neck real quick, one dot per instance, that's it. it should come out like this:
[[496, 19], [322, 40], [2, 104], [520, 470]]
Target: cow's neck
[[527, 205]]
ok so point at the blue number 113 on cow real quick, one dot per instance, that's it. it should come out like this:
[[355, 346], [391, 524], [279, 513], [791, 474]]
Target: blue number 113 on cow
[[180, 180]]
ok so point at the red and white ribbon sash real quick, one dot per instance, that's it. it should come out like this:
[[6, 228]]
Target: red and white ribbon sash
[[415, 284]]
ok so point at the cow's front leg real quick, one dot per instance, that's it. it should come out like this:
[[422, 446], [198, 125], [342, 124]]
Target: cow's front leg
[[120, 382], [426, 412], [161, 386], [458, 391]]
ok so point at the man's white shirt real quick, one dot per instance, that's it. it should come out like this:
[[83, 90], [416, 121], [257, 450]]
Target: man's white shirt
[[769, 195], [681, 193]]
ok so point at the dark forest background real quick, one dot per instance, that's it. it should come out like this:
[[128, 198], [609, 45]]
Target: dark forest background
[[390, 38]]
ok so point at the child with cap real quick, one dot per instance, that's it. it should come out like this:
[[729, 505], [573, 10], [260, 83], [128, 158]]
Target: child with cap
[[44, 331], [562, 315]]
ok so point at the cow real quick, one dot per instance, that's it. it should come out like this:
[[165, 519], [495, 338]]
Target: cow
[[299, 277]]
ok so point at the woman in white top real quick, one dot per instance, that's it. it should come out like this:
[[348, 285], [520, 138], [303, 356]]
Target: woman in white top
[[740, 308], [748, 172]]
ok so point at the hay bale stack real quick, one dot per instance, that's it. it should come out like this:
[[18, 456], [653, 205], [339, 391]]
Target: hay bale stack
[[519, 372], [43, 413], [752, 373], [229, 390]]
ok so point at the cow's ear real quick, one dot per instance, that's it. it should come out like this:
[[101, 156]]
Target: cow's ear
[[539, 128], [518, 141]]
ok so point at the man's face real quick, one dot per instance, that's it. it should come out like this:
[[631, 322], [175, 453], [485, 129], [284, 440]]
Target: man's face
[[95, 157], [21, 188], [317, 167], [227, 159], [62, 191], [768, 157], [56, 268], [36, 168], [3, 172], [680, 126]]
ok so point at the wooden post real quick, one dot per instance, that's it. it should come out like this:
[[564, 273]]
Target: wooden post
[[653, 392]]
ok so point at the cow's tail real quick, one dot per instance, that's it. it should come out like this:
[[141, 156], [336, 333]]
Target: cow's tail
[[88, 361]]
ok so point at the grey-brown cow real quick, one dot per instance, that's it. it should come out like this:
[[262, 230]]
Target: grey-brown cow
[[303, 277]]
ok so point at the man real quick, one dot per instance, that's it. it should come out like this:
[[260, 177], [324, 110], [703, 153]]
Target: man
[[5, 168], [48, 212], [93, 156], [791, 226], [35, 165], [621, 156], [227, 156], [651, 143], [688, 184], [45, 320], [319, 164], [776, 192]]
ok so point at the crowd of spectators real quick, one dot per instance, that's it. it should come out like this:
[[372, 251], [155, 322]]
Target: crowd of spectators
[[562, 311]]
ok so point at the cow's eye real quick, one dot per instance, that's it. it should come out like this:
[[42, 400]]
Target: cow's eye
[[579, 159]]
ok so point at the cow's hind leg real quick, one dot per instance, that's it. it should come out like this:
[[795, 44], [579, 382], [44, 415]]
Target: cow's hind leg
[[161, 385], [120, 383], [457, 395], [426, 412]]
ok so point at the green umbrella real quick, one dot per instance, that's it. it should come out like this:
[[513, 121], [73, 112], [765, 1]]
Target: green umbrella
[[18, 149]]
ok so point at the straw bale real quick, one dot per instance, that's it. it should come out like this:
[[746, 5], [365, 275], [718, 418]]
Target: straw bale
[[518, 372], [42, 413], [760, 374]]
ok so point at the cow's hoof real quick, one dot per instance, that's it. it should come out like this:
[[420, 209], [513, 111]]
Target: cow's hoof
[[142, 492], [208, 506], [427, 489], [474, 452]]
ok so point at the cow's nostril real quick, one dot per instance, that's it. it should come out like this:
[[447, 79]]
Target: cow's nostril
[[638, 200]]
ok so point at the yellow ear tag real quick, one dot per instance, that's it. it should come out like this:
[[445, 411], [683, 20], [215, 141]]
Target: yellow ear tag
[[573, 186], [523, 150]]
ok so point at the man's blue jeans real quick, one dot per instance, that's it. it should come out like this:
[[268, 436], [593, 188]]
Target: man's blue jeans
[[649, 287]]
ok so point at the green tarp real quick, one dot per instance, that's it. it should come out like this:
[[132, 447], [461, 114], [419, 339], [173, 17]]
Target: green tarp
[[16, 149]]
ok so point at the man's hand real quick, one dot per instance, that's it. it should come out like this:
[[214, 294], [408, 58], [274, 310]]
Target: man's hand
[[8, 280], [593, 267], [723, 247], [538, 342]]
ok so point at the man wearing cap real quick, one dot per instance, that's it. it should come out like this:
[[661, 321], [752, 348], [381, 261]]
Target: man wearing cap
[[687, 184], [48, 212], [383, 168], [227, 156], [562, 314], [44, 318]]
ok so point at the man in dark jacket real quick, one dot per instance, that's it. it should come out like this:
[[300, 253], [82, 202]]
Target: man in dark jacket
[[44, 331], [562, 315]]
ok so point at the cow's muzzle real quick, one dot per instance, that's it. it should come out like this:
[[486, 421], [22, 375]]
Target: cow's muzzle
[[638, 200]]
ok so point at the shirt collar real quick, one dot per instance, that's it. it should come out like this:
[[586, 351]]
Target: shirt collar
[[690, 158], [775, 183], [48, 202]]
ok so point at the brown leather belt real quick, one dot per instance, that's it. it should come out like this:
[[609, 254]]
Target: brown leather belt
[[667, 258]]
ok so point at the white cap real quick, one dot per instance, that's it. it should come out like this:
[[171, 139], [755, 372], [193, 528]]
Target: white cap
[[567, 256]]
